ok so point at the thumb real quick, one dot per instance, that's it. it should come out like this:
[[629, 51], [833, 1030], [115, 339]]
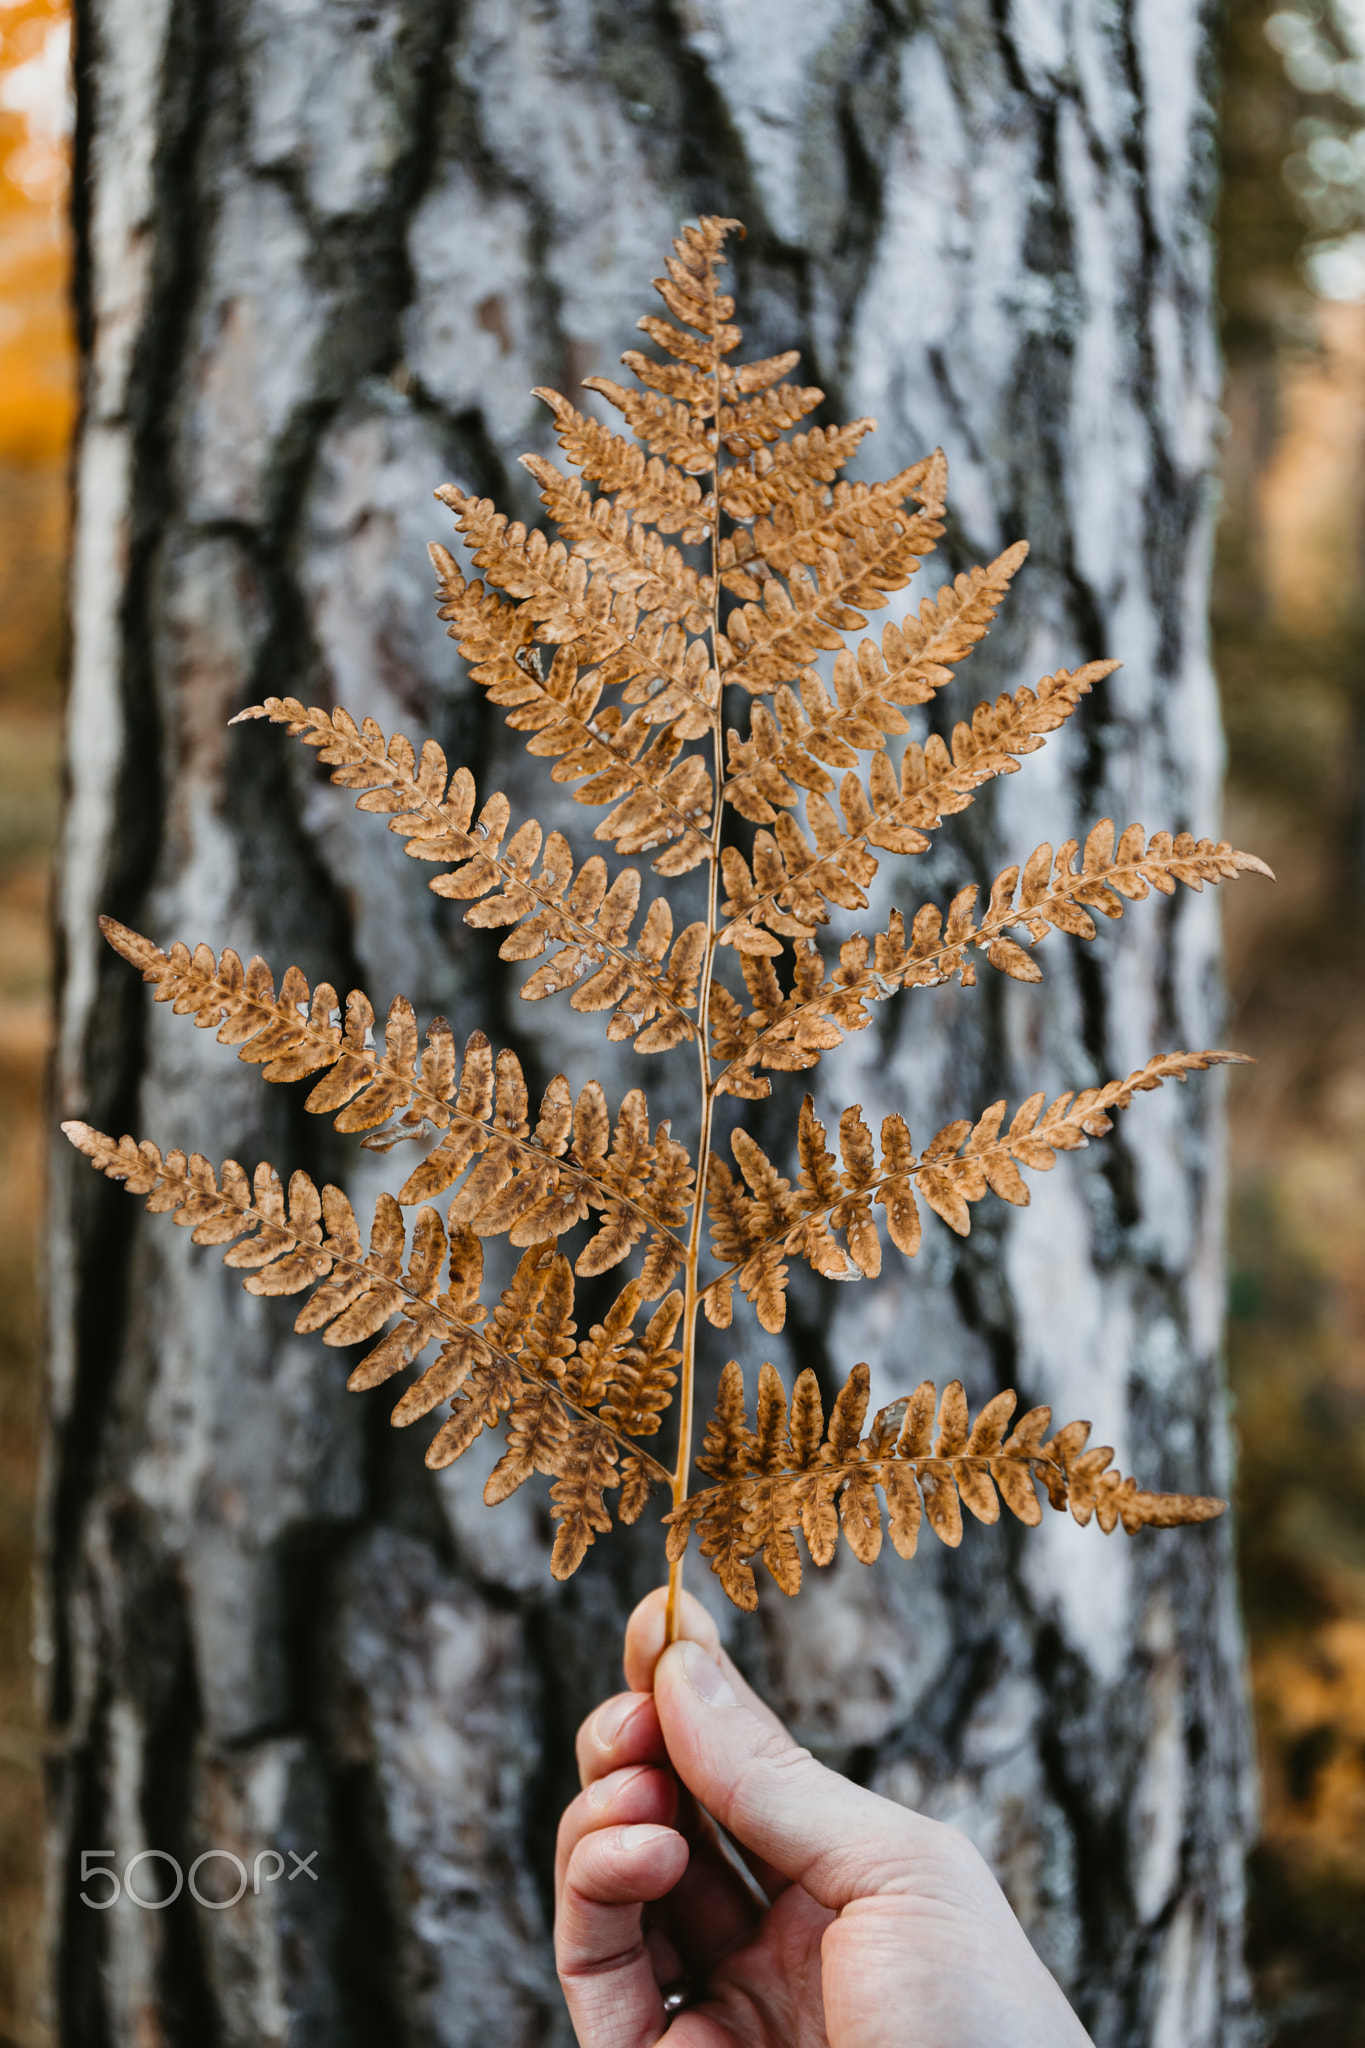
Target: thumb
[[835, 1839]]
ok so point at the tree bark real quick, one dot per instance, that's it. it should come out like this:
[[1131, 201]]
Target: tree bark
[[326, 249]]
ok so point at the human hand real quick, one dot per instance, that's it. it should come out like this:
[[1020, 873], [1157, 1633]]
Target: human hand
[[882, 1929]]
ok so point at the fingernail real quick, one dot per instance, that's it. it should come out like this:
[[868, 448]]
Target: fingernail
[[606, 1789], [612, 1717], [640, 1836], [706, 1678]]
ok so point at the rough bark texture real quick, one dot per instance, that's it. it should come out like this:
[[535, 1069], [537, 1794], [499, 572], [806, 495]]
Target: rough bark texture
[[327, 247]]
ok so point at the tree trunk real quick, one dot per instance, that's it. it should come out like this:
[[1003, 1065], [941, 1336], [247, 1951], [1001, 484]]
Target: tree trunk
[[326, 249]]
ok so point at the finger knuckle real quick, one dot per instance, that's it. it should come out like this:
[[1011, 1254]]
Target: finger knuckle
[[782, 1755], [571, 1823]]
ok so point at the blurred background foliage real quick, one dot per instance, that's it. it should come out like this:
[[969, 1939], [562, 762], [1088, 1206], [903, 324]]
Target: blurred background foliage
[[1289, 628], [36, 411], [1289, 638]]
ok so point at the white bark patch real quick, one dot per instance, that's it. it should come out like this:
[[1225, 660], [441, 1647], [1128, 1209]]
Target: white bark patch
[[445, 1706], [265, 1808], [1159, 1803], [132, 46], [765, 59], [261, 322], [94, 731], [317, 73], [1076, 1359], [472, 336]]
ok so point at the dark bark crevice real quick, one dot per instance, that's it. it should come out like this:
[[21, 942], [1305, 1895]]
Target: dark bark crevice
[[78, 1795]]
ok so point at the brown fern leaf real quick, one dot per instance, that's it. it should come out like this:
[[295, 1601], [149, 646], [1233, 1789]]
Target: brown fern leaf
[[748, 1230], [362, 1291], [283, 1250], [487, 1392], [787, 746], [746, 378], [789, 1032], [669, 497], [590, 920], [718, 1304], [781, 472], [691, 294], [794, 880], [605, 533], [670, 415], [1048, 893], [775, 1513], [422, 1321], [495, 1380], [601, 1350], [644, 1374], [561, 707], [914, 657], [960, 1165], [748, 424], [460, 1350], [626, 1168], [673, 685], [479, 1106], [571, 607], [535, 1374], [859, 546], [774, 1479], [637, 1484], [770, 642], [729, 1454], [540, 1426], [763, 1279], [729, 1448], [669, 429], [606, 648], [537, 1441], [586, 1469], [853, 1214], [811, 525]]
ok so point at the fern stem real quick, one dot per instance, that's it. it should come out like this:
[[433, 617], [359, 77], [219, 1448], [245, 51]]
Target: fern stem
[[687, 1386], [686, 1394]]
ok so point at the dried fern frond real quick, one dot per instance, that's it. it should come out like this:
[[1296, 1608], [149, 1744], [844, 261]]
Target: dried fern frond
[[522, 1361], [838, 558], [609, 647], [795, 878], [791, 1474], [669, 497], [789, 1031], [590, 921], [530, 1184], [754, 1231], [781, 473]]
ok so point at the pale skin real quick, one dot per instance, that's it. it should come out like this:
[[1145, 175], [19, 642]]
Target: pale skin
[[882, 1929]]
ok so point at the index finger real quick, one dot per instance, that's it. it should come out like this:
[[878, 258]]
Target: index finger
[[623, 1730], [645, 1646]]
